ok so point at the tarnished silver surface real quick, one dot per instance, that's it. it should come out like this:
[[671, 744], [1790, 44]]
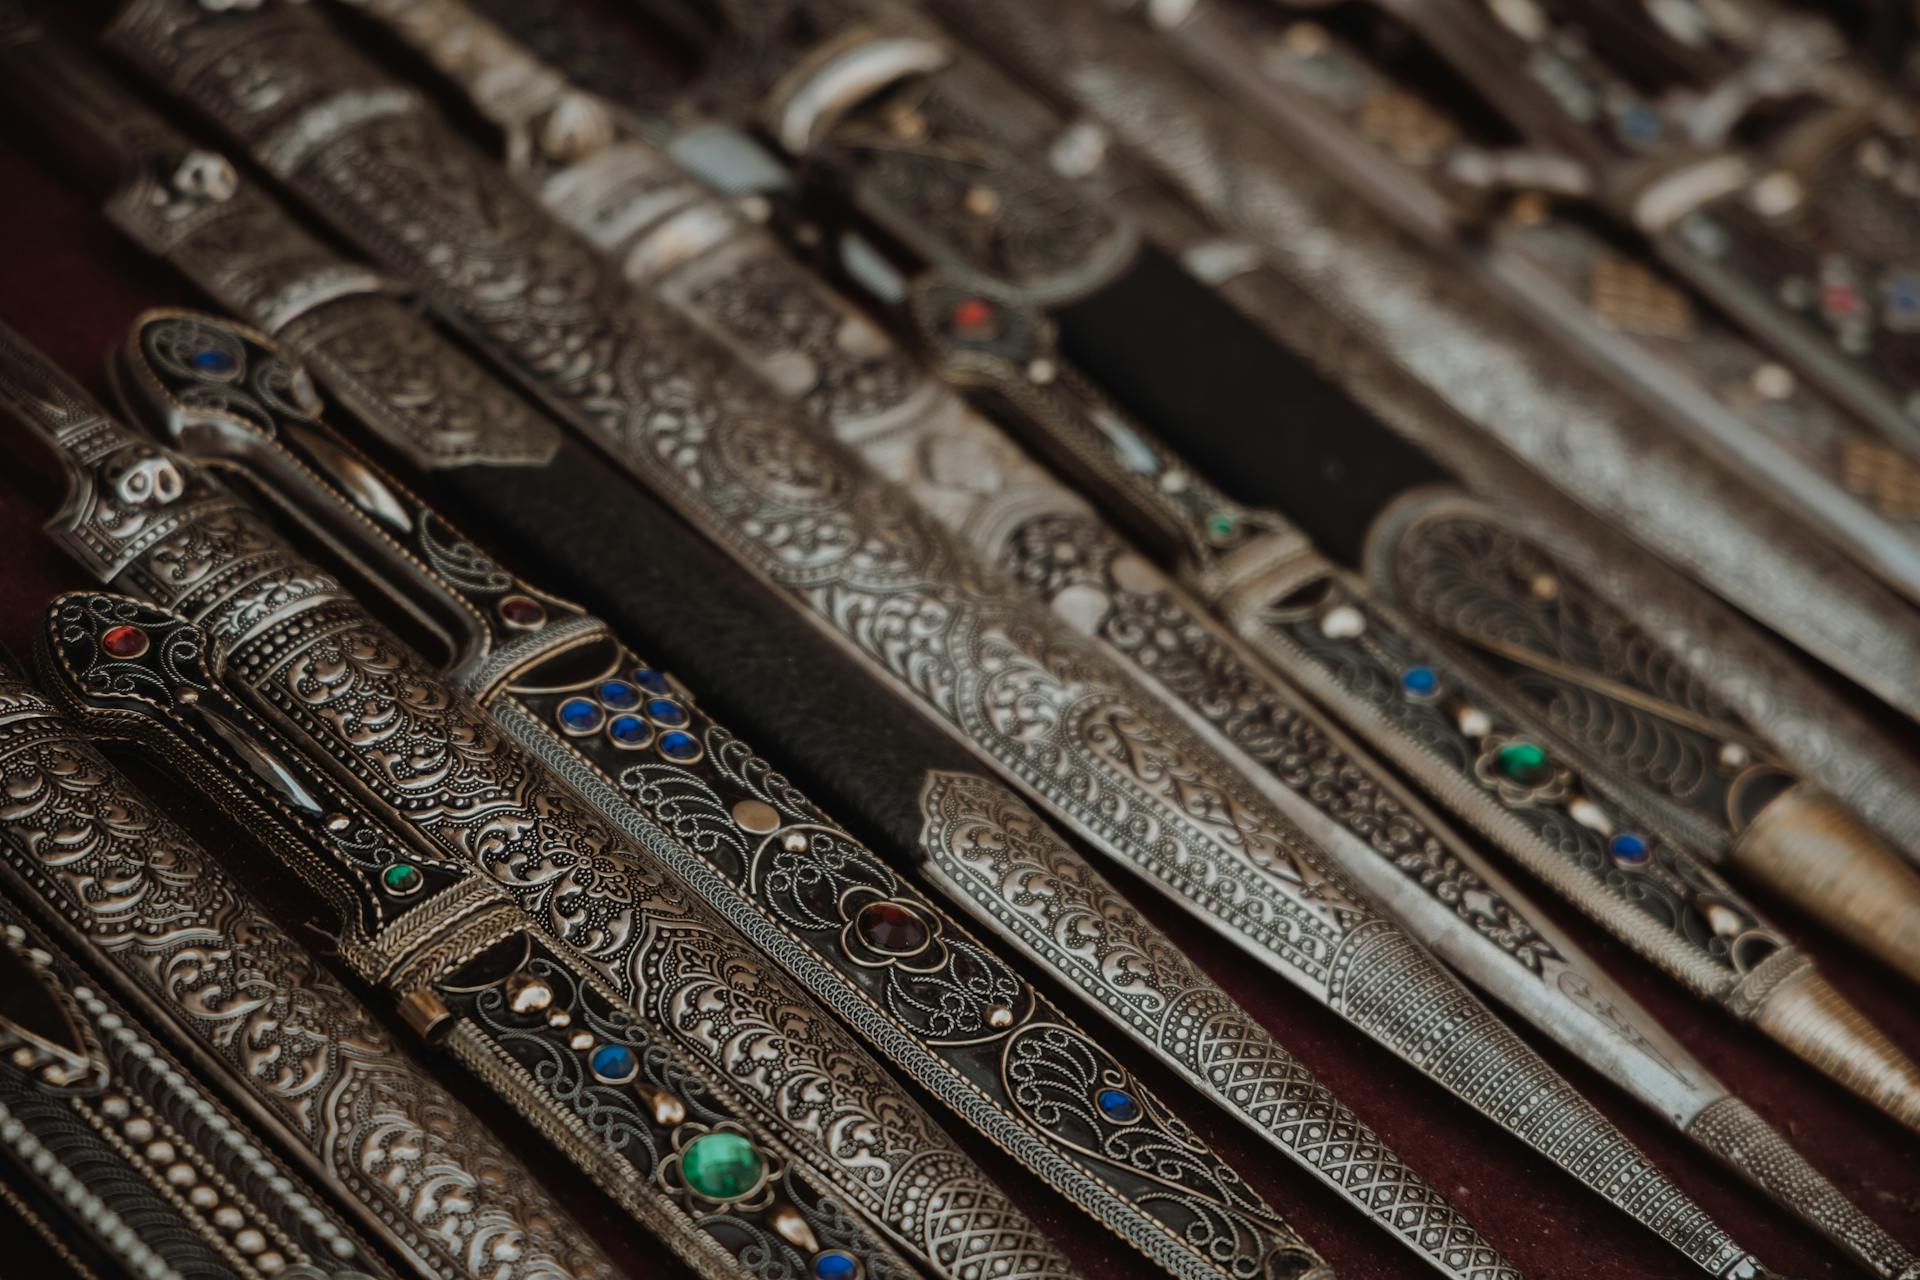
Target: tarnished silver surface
[[1291, 285], [1611, 694], [1639, 323], [1024, 692], [139, 1159], [872, 948], [999, 860], [305, 657], [1492, 366], [190, 206], [470, 977], [313, 1066]]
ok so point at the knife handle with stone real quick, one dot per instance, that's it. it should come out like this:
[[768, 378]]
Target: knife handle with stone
[[303, 655], [302, 1057], [531, 1025]]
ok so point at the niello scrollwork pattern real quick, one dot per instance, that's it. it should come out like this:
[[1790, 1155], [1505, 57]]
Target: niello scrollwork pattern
[[170, 919], [667, 402], [153, 1167], [992, 853]]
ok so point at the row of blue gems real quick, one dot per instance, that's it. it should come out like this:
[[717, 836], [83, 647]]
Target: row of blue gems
[[582, 717]]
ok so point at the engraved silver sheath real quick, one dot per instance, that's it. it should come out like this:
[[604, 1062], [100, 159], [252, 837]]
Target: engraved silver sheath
[[1495, 369], [124, 1157], [305, 658], [304, 1059], [622, 1105], [1626, 313], [889, 962], [1024, 692], [734, 283], [1311, 283]]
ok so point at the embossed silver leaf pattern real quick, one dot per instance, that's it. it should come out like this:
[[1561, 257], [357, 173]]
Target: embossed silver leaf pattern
[[447, 770], [991, 848], [133, 881]]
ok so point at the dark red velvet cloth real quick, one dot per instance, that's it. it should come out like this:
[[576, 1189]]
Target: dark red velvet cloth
[[71, 286]]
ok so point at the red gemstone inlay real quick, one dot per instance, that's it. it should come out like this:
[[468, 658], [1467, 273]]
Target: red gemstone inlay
[[523, 612], [974, 319], [1839, 300], [124, 642], [891, 928]]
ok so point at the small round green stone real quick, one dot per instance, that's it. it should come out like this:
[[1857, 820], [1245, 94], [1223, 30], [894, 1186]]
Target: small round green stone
[[402, 878], [1524, 762], [722, 1166], [1221, 525]]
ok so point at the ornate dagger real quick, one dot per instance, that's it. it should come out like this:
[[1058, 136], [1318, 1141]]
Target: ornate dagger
[[756, 829], [1611, 691], [307, 1063], [768, 494], [1438, 319], [1622, 310], [125, 1163], [1422, 349], [730, 280], [632, 1112], [303, 656], [887, 960]]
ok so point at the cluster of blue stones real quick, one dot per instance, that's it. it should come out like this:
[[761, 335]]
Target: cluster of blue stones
[[630, 718]]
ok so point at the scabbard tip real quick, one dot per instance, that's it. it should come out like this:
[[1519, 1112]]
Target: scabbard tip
[[1807, 1014], [1806, 847]]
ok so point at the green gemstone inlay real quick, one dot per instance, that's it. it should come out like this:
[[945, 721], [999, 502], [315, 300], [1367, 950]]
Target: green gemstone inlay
[[1524, 763], [402, 878], [1221, 525], [722, 1166]]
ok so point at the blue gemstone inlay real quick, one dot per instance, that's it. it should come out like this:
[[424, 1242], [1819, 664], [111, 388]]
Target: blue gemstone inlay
[[630, 731], [1118, 1106], [580, 715], [1629, 847], [652, 681], [834, 1264], [1640, 122], [212, 360], [614, 1063], [618, 695], [679, 746], [666, 711], [1421, 682]]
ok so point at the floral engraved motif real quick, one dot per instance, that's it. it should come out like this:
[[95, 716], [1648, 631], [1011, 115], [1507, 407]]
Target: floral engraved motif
[[447, 771], [167, 915]]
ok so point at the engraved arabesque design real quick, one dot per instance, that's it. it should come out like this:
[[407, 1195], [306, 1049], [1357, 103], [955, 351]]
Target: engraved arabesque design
[[992, 848], [132, 880]]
